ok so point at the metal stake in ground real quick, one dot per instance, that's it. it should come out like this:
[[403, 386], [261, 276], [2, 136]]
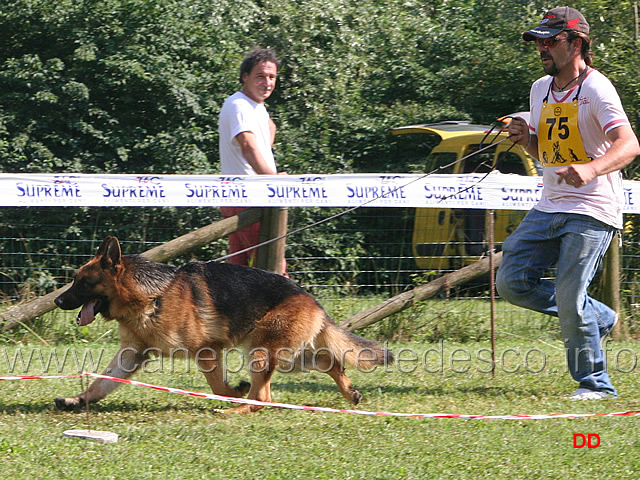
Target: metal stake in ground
[[96, 435], [492, 287]]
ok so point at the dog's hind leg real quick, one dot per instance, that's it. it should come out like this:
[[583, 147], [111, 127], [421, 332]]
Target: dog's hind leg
[[123, 365], [332, 367], [213, 372]]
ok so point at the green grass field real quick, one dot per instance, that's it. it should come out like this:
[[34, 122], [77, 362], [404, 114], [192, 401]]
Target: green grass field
[[163, 435]]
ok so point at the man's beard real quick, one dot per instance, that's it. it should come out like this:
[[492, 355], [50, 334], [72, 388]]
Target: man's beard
[[552, 69]]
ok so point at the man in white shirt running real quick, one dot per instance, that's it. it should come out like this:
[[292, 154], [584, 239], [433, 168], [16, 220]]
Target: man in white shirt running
[[247, 134], [581, 135]]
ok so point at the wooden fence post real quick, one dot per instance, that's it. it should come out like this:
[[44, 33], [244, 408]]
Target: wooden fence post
[[273, 225], [611, 282]]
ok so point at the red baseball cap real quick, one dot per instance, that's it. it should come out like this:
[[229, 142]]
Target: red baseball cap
[[558, 20]]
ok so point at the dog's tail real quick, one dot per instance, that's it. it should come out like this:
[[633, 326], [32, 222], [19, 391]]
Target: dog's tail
[[352, 349]]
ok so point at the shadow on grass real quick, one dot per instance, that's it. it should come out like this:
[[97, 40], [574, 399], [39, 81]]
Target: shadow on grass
[[31, 408], [441, 390], [310, 393], [483, 391]]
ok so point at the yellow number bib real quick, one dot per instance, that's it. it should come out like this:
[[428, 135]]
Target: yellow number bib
[[559, 139]]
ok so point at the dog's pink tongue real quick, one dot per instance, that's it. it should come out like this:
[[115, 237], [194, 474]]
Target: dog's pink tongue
[[86, 315]]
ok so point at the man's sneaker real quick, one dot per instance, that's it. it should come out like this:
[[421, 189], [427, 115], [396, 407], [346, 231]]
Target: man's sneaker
[[605, 333], [588, 394]]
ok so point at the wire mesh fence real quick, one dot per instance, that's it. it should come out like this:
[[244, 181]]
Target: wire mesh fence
[[370, 255]]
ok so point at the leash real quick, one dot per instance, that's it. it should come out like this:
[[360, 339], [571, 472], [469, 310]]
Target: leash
[[349, 210]]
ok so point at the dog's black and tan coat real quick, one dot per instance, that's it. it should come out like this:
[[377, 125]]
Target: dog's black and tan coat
[[204, 308]]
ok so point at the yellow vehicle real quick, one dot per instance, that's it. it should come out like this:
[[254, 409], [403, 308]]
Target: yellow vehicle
[[445, 238]]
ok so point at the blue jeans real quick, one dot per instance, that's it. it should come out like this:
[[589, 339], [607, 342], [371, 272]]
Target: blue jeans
[[575, 244]]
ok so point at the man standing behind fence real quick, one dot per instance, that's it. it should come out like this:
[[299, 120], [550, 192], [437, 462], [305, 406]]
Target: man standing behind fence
[[581, 136], [247, 134]]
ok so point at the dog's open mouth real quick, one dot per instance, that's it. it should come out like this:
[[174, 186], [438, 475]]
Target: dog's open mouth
[[88, 313]]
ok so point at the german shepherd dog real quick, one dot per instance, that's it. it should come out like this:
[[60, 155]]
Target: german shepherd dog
[[204, 308]]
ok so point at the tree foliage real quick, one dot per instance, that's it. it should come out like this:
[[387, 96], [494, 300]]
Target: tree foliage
[[135, 86]]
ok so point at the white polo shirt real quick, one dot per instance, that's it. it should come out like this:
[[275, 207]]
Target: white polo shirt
[[599, 111], [241, 114]]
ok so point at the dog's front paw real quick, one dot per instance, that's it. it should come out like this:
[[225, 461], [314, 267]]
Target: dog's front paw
[[243, 388], [72, 403]]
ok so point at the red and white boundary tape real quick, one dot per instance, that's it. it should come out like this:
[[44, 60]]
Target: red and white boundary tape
[[212, 396]]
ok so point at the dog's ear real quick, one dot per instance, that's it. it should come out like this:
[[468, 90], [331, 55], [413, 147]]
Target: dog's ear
[[110, 253], [102, 249]]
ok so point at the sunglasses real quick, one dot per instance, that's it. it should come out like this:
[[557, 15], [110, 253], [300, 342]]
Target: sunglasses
[[548, 42]]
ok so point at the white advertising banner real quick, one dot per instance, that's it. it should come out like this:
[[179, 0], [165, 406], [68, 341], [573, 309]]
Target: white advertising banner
[[495, 191]]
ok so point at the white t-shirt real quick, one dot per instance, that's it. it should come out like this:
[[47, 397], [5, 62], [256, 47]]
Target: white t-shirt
[[241, 114], [599, 111]]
